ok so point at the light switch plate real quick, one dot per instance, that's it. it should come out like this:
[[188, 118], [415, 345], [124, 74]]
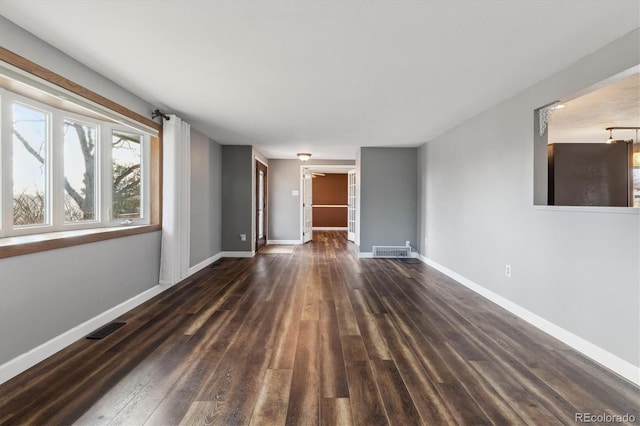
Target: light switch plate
[[295, 193]]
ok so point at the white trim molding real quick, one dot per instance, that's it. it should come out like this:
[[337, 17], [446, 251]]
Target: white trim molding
[[204, 263], [284, 242], [596, 353], [330, 228], [28, 359], [344, 168], [238, 254], [590, 209]]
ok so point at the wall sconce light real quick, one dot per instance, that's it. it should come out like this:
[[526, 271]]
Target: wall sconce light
[[303, 156]]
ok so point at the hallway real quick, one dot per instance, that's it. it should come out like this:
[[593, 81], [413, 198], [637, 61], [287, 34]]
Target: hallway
[[317, 336]]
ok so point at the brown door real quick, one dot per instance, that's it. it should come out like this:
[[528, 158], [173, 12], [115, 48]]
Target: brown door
[[261, 205]]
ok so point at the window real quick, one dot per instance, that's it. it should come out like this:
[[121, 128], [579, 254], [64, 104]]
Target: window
[[64, 171], [126, 189], [68, 185], [80, 167], [31, 141]]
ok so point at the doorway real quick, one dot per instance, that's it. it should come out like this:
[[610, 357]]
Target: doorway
[[311, 173], [261, 205]]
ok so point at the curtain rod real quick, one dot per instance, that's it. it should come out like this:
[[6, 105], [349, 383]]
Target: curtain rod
[[158, 113]]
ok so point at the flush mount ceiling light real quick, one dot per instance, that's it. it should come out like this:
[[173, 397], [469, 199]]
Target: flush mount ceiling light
[[303, 156]]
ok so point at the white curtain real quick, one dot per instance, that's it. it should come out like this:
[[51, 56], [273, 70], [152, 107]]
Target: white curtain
[[176, 197]]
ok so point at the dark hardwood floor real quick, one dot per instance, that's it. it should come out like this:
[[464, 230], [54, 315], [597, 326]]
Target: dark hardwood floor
[[317, 337]]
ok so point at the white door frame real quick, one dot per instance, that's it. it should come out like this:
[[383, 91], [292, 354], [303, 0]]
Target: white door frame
[[265, 223], [327, 168], [351, 202], [307, 206]]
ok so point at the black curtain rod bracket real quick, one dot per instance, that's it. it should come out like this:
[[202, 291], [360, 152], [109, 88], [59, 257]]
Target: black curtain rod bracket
[[158, 113]]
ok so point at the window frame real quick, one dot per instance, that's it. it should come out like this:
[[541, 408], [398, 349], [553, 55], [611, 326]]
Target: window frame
[[145, 153], [8, 228], [99, 173], [74, 234], [54, 171]]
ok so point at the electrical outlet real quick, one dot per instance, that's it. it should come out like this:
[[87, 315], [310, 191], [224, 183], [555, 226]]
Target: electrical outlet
[[425, 241], [243, 237], [507, 270]]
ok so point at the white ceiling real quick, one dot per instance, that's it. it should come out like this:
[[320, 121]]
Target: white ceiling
[[325, 76], [585, 118]]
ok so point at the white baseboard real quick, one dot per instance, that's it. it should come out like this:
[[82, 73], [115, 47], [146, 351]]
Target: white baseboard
[[28, 359], [596, 353], [330, 228], [369, 255], [200, 266], [284, 242], [237, 254]]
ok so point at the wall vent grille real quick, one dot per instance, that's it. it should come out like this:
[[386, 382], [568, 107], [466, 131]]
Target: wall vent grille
[[105, 331], [392, 251]]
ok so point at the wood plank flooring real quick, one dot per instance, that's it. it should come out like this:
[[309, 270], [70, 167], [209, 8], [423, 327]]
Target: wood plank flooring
[[317, 337]]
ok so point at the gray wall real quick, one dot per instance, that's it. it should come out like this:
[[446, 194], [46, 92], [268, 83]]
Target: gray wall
[[206, 198], [388, 197], [578, 269], [540, 163], [422, 198], [45, 294], [237, 197], [284, 208]]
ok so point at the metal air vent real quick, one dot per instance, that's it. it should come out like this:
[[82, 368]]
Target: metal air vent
[[392, 251]]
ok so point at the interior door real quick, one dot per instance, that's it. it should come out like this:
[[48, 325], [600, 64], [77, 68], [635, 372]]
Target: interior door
[[261, 205], [307, 208], [351, 209]]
